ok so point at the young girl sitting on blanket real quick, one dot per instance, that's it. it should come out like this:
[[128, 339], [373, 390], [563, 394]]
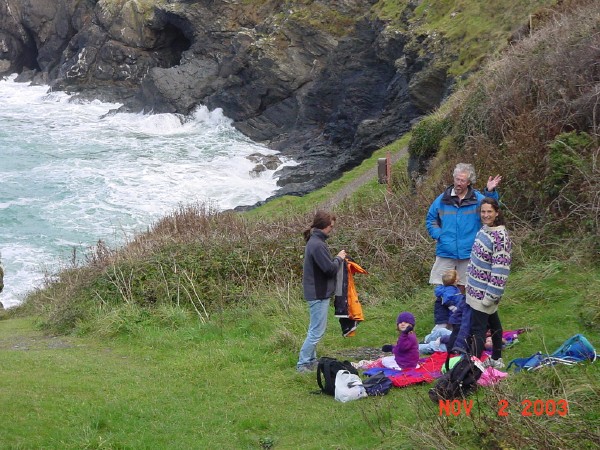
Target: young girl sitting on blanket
[[406, 350]]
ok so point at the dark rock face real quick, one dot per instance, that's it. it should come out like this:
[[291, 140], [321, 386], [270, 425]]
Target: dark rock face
[[325, 100]]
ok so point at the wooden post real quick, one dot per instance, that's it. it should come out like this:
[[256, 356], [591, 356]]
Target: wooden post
[[388, 171], [382, 171]]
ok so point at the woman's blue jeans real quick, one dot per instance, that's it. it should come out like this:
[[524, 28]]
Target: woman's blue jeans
[[318, 310]]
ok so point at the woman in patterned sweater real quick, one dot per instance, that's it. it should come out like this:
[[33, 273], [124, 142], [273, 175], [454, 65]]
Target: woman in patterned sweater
[[487, 272]]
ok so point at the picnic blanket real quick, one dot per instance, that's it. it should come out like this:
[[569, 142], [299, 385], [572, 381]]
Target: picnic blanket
[[429, 369]]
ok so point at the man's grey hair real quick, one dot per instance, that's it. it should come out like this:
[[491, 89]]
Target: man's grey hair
[[466, 168]]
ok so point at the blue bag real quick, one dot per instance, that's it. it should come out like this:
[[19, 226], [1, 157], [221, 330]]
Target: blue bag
[[574, 350]]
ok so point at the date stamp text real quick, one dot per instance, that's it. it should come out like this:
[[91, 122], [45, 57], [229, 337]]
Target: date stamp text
[[527, 408]]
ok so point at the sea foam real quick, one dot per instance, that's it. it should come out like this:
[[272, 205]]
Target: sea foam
[[74, 172]]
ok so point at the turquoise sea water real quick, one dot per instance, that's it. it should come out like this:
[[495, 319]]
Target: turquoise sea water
[[70, 176]]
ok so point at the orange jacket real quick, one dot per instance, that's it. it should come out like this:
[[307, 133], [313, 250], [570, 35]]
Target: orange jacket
[[347, 306]]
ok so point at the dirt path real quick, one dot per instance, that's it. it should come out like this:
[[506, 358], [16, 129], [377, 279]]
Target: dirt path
[[351, 187]]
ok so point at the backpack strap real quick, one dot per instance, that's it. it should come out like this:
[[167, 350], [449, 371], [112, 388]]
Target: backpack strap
[[329, 380], [320, 370], [325, 368]]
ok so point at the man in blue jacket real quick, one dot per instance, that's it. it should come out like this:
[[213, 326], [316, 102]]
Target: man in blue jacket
[[453, 221]]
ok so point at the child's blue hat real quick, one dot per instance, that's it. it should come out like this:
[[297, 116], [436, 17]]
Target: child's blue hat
[[406, 317]]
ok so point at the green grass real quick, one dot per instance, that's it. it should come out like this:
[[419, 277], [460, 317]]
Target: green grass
[[231, 383], [462, 32]]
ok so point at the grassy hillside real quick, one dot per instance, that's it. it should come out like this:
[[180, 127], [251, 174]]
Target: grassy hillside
[[462, 34], [187, 337], [231, 382]]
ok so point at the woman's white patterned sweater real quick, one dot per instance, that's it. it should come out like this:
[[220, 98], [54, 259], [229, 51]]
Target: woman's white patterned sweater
[[488, 268]]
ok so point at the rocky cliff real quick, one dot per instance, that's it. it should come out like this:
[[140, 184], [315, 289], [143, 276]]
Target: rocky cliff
[[326, 83]]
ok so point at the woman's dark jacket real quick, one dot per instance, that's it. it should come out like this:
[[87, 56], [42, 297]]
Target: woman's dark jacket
[[318, 277]]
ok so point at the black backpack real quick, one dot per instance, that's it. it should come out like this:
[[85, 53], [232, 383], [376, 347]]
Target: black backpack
[[458, 382], [377, 384], [327, 369]]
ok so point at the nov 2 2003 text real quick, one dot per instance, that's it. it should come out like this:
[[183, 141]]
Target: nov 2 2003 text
[[527, 408]]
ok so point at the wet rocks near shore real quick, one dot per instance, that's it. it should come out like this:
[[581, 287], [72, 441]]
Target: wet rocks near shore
[[264, 163]]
